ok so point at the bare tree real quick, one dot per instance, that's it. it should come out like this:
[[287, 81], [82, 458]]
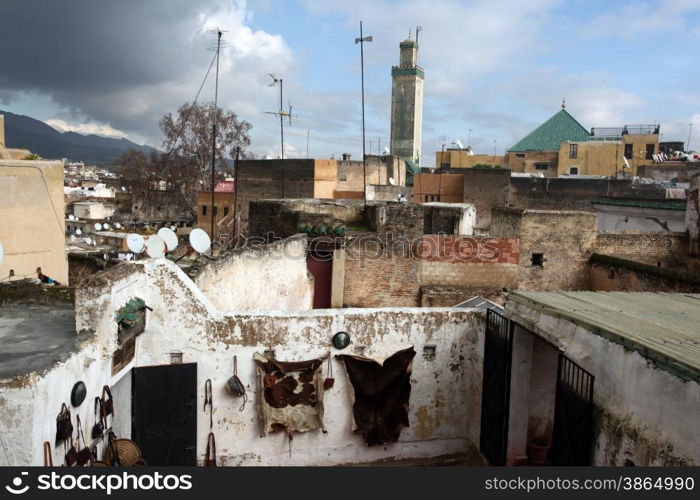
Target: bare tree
[[189, 135]]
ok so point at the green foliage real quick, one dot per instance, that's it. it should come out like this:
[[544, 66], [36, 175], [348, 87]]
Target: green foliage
[[127, 313], [31, 156], [486, 165]]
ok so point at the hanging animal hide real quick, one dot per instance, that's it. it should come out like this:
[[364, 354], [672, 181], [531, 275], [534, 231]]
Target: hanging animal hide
[[380, 395], [290, 395]]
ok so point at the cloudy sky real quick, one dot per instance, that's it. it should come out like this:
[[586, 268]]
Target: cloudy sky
[[497, 67]]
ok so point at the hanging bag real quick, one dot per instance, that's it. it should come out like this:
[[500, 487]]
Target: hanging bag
[[48, 458], [107, 401], [71, 456], [114, 450], [234, 386], [64, 426], [329, 381], [210, 459], [83, 454], [98, 428]]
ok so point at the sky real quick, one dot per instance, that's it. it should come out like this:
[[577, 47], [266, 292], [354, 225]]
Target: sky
[[494, 69]]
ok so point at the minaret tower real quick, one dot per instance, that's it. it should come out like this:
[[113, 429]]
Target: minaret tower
[[407, 103]]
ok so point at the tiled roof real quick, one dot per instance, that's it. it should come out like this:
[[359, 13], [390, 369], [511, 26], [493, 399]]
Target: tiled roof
[[559, 128]]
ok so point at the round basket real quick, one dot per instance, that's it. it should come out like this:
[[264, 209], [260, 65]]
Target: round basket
[[100, 464], [141, 463], [128, 451]]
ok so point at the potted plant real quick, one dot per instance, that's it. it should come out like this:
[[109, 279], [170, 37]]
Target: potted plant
[[537, 450], [131, 318]]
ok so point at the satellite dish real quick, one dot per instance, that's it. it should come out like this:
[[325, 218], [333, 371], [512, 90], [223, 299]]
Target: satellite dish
[[123, 188], [199, 240], [169, 237], [392, 181], [98, 227], [459, 145], [2, 253], [155, 247], [87, 241], [386, 151], [78, 231], [117, 225], [173, 228], [72, 238], [71, 217], [135, 243], [105, 226]]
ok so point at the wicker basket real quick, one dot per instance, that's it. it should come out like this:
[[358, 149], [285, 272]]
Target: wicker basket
[[100, 464], [128, 451]]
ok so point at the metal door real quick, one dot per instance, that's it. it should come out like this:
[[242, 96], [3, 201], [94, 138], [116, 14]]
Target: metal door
[[164, 413], [320, 264], [573, 415], [495, 396]]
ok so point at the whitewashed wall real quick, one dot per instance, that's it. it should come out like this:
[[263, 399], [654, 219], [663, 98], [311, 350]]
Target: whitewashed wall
[[273, 276], [446, 391], [645, 414]]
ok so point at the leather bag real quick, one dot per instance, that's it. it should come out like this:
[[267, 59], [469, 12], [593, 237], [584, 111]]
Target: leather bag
[[83, 454], [48, 458], [107, 401], [64, 426], [98, 428]]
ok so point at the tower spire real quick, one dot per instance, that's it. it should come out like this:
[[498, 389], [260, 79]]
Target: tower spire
[[563, 103]]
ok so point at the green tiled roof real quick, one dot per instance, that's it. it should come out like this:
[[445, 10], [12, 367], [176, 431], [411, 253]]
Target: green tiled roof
[[411, 167], [559, 128]]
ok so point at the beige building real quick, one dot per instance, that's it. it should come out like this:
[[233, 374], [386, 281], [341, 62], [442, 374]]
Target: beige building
[[10, 153], [562, 146], [32, 223], [407, 104]]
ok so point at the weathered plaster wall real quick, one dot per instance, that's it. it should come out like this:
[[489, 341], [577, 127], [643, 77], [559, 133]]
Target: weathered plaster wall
[[32, 225], [631, 396], [271, 276], [618, 219], [445, 393], [29, 404], [446, 390], [669, 249]]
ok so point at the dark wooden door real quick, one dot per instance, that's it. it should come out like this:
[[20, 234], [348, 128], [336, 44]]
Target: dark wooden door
[[495, 395], [320, 264], [164, 413], [573, 415]]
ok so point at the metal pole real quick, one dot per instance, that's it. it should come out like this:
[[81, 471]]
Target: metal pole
[[362, 77], [235, 193], [442, 156], [282, 138], [213, 138]]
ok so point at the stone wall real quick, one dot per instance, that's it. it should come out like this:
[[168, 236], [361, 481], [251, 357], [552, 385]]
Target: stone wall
[[611, 274], [692, 217], [485, 189], [657, 249]]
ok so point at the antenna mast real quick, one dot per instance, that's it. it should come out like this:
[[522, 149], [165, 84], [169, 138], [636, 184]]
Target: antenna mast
[[213, 136]]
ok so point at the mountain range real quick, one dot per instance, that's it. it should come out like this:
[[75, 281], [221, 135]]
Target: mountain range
[[29, 133]]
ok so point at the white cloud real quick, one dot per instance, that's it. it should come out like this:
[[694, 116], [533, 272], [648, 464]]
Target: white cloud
[[85, 128]]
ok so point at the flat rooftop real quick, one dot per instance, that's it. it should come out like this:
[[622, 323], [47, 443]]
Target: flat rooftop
[[663, 327], [34, 336]]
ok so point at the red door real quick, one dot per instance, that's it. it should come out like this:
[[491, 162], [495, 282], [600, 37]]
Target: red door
[[320, 264]]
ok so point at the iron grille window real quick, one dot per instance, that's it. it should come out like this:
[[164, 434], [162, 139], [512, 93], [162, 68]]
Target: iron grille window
[[541, 166], [573, 151], [204, 210], [650, 151]]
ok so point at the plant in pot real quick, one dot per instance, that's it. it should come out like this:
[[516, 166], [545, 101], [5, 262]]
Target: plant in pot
[[131, 317], [537, 450]]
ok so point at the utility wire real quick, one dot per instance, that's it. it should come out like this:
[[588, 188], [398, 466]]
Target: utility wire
[[187, 117]]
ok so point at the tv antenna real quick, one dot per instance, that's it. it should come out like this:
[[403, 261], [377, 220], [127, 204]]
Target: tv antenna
[[418, 30], [281, 113]]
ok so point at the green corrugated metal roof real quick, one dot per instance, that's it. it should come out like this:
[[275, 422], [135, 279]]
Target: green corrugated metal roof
[[559, 128], [662, 204], [663, 327]]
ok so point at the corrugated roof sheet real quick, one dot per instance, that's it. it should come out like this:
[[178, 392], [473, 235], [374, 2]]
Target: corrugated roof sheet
[[559, 128], [663, 327]]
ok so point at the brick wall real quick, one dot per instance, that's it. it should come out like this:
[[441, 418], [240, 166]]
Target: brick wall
[[607, 275], [375, 277], [466, 249]]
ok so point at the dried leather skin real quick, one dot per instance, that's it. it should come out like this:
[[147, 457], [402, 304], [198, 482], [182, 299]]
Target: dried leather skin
[[381, 395], [292, 394]]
